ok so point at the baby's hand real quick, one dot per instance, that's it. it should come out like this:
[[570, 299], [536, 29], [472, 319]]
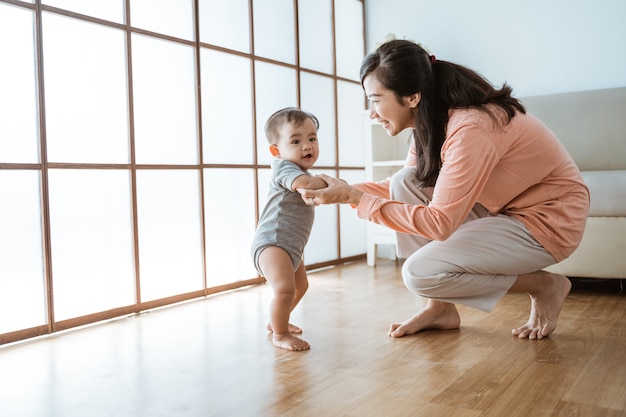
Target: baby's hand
[[309, 201], [337, 192], [308, 196]]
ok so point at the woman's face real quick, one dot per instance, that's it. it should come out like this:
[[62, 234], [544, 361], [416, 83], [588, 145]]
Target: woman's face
[[393, 115]]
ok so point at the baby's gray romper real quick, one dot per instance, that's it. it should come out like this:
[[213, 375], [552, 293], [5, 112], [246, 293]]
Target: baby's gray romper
[[286, 221]]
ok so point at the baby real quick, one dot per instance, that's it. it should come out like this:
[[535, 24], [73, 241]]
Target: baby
[[285, 224]]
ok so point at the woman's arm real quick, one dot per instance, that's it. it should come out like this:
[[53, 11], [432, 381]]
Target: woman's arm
[[379, 188]]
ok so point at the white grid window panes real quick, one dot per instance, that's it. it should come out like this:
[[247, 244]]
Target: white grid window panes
[[169, 17], [315, 19], [274, 30], [165, 102], [230, 225], [353, 229], [86, 91], [275, 89], [352, 142], [18, 99], [112, 10], [350, 42], [227, 126], [225, 23], [170, 239], [22, 290], [91, 233], [322, 244], [317, 97]]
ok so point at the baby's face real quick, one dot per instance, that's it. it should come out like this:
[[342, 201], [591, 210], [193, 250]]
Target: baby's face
[[299, 144]]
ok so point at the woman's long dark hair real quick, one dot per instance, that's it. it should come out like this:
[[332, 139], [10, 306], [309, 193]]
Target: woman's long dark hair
[[405, 68]]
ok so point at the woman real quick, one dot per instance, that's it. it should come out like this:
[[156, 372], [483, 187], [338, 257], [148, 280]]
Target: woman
[[488, 198]]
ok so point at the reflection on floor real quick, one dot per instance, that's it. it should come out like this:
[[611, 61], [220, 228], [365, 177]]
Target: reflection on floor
[[213, 357]]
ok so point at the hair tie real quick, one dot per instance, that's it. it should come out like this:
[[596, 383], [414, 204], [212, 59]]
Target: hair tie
[[432, 59]]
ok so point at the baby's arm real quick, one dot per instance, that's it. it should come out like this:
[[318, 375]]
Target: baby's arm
[[310, 183]]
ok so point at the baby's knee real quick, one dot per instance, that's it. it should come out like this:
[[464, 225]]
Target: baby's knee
[[283, 288]]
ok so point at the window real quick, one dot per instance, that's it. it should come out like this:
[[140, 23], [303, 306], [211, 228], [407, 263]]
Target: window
[[133, 162]]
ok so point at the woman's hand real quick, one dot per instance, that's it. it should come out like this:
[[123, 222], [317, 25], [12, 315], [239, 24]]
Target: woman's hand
[[337, 192]]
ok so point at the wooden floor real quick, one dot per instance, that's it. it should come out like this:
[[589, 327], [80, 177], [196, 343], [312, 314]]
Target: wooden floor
[[212, 357]]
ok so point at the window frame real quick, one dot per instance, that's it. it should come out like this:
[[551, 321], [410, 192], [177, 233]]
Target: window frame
[[44, 166]]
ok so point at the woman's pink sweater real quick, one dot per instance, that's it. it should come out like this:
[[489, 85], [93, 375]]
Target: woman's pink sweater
[[521, 170]]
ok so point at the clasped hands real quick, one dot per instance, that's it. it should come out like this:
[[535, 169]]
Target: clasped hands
[[338, 191]]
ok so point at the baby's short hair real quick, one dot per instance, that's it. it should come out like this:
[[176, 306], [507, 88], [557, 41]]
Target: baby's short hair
[[287, 115]]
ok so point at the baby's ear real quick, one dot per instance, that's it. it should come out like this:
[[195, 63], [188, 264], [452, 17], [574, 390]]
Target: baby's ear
[[274, 150]]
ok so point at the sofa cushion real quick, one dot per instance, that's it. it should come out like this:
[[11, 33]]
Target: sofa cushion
[[590, 124], [608, 193]]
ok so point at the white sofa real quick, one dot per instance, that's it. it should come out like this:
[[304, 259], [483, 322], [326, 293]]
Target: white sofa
[[592, 126]]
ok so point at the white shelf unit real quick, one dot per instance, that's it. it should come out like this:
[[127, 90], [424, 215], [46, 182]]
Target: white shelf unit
[[384, 155]]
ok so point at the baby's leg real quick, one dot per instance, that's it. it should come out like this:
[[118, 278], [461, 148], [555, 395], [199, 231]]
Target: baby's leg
[[292, 328], [302, 285], [278, 270]]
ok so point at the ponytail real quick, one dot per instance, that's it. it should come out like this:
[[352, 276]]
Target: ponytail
[[405, 68]]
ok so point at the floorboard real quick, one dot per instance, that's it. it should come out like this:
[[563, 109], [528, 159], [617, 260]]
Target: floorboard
[[212, 357]]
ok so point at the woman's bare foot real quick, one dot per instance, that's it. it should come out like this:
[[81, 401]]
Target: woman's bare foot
[[546, 306], [291, 328], [436, 315], [288, 341]]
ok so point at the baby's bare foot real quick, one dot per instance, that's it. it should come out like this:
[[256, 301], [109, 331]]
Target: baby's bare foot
[[291, 328], [288, 341], [436, 315], [545, 308]]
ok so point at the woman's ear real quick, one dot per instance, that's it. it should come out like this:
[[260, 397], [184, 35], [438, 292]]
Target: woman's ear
[[413, 100], [274, 150]]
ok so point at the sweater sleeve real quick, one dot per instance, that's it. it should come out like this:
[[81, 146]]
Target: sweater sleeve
[[379, 188], [468, 158]]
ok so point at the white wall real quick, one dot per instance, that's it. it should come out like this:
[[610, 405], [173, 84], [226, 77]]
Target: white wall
[[537, 46]]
